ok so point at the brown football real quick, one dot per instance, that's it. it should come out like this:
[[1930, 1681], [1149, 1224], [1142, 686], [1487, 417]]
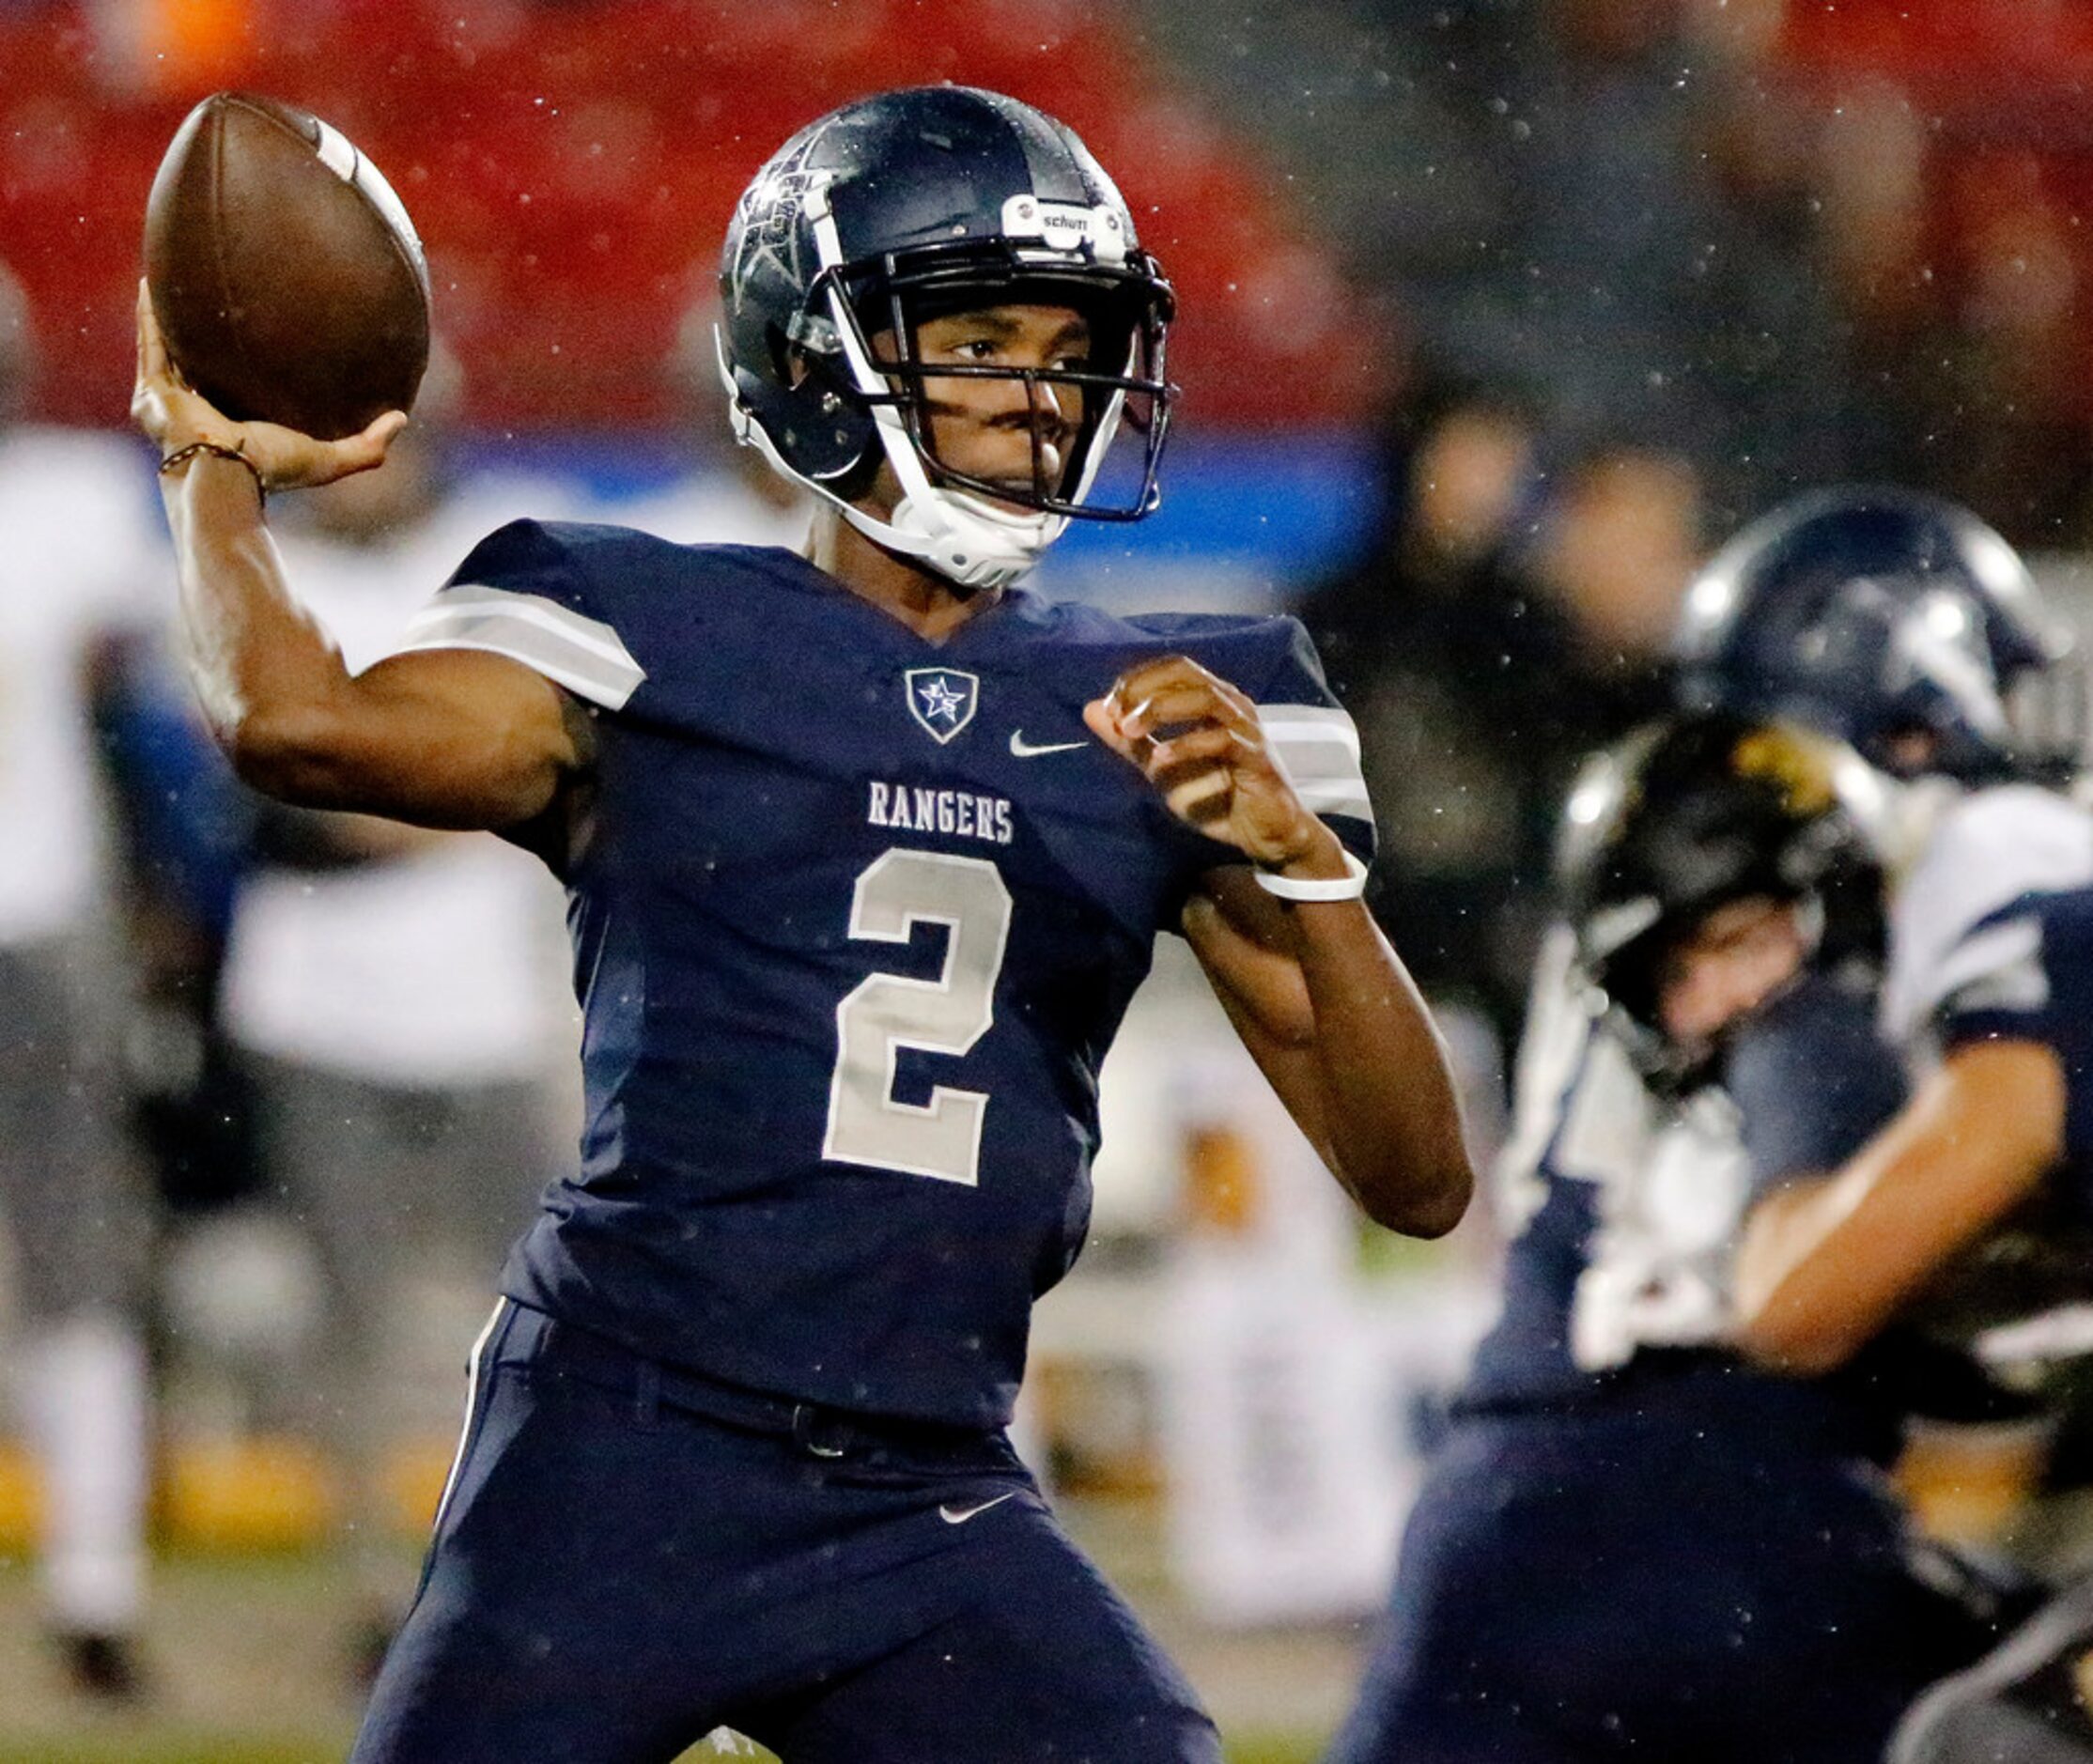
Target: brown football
[[286, 276]]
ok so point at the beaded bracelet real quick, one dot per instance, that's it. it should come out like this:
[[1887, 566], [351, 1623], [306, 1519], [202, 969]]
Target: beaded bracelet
[[1348, 887], [182, 455]]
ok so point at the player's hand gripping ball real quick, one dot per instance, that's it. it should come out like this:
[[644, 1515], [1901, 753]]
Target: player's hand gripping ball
[[1199, 741], [286, 278]]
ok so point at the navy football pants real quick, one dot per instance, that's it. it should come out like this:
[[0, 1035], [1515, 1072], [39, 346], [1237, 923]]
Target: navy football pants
[[1651, 1584], [626, 1559]]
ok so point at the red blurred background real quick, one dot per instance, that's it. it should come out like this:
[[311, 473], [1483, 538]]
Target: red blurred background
[[571, 169]]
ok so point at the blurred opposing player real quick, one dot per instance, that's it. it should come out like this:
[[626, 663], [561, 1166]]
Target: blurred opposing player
[[1631, 1542], [1909, 631], [865, 850], [79, 560]]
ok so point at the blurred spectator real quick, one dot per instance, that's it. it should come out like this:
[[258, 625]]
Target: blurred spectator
[[184, 826], [399, 995], [1949, 226], [1511, 615], [1964, 268], [1575, 194], [82, 556], [721, 494], [1657, 270], [1614, 551]]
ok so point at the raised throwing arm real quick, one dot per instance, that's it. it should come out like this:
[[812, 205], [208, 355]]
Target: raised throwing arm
[[445, 738]]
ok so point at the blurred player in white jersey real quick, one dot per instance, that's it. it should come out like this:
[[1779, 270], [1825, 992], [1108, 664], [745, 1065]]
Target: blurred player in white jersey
[[79, 559], [1908, 633], [401, 999]]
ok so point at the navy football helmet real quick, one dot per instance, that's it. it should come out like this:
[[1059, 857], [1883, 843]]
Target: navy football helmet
[[1895, 620], [902, 206], [1688, 815]]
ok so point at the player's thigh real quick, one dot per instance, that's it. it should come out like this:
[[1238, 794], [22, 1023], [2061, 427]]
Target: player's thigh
[[465, 1692], [73, 1191], [1553, 1601], [483, 1156], [334, 1148], [569, 1609], [1621, 1588], [1036, 1659]]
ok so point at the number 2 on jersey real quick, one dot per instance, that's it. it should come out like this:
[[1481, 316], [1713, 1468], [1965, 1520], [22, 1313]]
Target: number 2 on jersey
[[886, 1012]]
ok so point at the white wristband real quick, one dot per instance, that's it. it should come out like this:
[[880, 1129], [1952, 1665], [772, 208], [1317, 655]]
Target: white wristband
[[1345, 888]]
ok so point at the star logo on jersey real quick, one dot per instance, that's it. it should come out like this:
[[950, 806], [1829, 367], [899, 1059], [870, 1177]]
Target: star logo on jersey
[[943, 699]]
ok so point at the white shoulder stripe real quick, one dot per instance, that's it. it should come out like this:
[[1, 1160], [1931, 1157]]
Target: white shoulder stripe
[[582, 654], [465, 597], [1296, 724], [1317, 746], [589, 684], [1997, 968], [1988, 848]]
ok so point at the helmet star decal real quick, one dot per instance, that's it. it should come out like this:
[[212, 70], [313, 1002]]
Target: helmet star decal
[[772, 234]]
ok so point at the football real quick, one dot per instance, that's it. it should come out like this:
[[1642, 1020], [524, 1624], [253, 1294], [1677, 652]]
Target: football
[[284, 273]]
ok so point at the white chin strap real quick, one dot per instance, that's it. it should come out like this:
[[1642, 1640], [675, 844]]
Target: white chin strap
[[961, 537], [965, 538]]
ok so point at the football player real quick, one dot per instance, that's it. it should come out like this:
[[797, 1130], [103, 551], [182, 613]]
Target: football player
[[1909, 631], [1630, 1542], [75, 579], [866, 850]]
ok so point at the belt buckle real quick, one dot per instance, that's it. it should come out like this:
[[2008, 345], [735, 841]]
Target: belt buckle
[[805, 1418]]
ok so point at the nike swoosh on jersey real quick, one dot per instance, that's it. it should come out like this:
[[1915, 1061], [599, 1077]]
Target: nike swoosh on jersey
[[1025, 750], [959, 1515]]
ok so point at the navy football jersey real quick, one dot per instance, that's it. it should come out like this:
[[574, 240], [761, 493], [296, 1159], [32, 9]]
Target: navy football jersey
[[1623, 1206], [858, 920], [1992, 938]]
